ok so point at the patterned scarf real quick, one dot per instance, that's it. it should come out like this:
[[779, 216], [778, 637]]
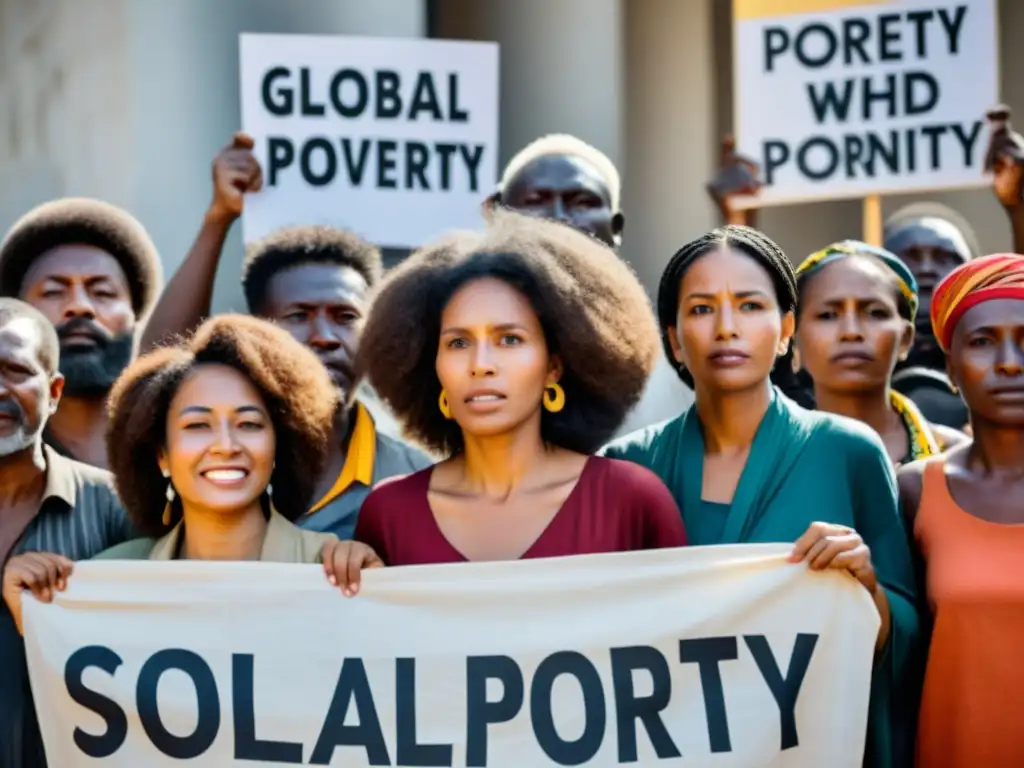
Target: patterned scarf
[[999, 276], [837, 251], [923, 441]]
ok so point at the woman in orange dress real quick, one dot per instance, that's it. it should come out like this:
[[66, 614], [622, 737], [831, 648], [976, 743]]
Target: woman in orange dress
[[967, 512]]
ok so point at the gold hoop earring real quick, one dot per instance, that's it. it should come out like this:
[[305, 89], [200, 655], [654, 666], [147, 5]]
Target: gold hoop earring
[[554, 397], [442, 403]]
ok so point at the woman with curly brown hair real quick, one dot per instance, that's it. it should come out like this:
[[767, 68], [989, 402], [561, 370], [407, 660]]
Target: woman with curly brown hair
[[515, 353], [215, 446]]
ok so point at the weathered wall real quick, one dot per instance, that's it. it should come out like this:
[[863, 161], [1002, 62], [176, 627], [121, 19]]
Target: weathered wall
[[128, 101]]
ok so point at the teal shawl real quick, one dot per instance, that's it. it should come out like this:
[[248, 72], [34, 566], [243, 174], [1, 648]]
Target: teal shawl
[[806, 466]]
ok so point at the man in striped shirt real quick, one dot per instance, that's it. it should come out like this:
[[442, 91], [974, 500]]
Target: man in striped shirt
[[48, 502]]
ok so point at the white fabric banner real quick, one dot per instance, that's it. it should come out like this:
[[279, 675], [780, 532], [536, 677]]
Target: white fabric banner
[[716, 656]]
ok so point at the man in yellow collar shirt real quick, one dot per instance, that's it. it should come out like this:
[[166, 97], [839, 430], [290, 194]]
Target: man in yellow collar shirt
[[315, 282]]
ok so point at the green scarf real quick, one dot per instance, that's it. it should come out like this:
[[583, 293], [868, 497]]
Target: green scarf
[[775, 453]]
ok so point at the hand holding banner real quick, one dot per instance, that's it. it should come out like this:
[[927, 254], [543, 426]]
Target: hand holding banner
[[721, 656]]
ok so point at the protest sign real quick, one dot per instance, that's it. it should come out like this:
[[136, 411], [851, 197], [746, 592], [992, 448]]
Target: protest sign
[[848, 98], [395, 139], [723, 656]]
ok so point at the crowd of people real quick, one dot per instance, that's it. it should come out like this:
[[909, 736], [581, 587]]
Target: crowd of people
[[866, 405]]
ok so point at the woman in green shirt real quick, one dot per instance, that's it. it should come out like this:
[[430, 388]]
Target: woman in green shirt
[[747, 465]]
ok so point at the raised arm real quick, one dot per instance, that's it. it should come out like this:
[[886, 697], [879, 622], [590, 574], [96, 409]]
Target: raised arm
[[736, 175], [185, 301], [1005, 160]]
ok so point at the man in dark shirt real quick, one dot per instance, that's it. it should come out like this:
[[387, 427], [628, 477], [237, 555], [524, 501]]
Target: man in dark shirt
[[932, 240], [47, 502]]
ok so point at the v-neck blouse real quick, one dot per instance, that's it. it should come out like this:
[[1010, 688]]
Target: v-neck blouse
[[616, 506]]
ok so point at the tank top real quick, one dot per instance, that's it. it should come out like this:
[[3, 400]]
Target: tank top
[[974, 681]]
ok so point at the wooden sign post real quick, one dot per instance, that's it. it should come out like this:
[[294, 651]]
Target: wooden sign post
[[872, 225]]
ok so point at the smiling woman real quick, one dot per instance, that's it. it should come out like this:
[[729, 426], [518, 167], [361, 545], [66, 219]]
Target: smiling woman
[[201, 433], [516, 353], [214, 446]]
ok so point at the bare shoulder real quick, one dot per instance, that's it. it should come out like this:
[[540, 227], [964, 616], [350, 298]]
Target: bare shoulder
[[910, 481], [949, 438]]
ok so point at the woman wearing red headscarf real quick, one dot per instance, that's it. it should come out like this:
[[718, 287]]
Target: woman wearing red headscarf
[[967, 512]]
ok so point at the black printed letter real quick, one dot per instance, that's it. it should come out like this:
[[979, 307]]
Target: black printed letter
[[479, 711], [280, 102], [594, 715], [352, 685], [207, 701], [707, 653], [409, 751], [117, 723], [784, 689], [629, 707], [243, 694]]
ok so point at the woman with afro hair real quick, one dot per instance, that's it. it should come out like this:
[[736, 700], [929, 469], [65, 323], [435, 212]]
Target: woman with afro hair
[[515, 354], [214, 445]]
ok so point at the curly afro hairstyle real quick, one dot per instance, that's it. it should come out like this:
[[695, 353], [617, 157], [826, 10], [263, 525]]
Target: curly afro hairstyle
[[296, 389], [80, 220], [291, 246], [747, 240], [594, 313]]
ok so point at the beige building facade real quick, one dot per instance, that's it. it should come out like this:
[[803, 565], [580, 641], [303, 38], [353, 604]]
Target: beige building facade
[[128, 100]]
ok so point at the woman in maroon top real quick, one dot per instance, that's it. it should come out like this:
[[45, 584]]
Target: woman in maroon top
[[516, 354]]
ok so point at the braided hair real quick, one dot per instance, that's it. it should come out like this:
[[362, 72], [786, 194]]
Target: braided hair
[[757, 246]]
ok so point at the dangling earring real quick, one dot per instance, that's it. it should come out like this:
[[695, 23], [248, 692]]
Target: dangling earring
[[442, 403], [554, 397], [170, 500]]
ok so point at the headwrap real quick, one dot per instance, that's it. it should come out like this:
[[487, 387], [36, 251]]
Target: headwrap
[[923, 442], [841, 250], [999, 276]]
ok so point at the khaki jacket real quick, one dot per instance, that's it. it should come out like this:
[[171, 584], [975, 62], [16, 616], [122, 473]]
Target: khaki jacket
[[283, 543]]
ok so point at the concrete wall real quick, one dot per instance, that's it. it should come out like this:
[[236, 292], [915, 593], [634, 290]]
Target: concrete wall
[[561, 66], [129, 100]]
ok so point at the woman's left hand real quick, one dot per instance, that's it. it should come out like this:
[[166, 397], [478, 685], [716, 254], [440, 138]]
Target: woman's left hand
[[344, 562], [826, 545]]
